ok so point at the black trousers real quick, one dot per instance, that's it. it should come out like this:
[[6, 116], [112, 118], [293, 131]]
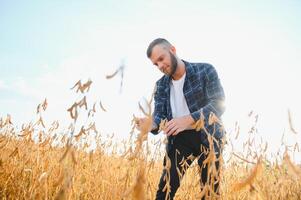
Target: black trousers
[[180, 148]]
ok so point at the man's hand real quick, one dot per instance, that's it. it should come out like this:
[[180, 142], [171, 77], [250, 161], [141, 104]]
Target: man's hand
[[174, 126]]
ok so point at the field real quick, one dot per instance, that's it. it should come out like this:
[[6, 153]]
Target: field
[[40, 162]]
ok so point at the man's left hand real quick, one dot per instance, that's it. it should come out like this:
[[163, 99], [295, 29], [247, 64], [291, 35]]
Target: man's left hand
[[177, 125]]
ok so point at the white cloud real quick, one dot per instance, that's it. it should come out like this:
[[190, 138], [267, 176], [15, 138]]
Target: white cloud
[[3, 85], [25, 87], [54, 84]]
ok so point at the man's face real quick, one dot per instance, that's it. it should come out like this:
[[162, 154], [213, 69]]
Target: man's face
[[164, 59]]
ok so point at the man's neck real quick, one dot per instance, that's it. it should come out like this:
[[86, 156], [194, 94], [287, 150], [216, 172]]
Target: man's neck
[[180, 70]]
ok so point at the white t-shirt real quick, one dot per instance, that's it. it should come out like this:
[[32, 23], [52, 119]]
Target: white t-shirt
[[178, 102]]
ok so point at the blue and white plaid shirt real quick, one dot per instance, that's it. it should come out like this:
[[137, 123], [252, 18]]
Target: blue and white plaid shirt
[[203, 93]]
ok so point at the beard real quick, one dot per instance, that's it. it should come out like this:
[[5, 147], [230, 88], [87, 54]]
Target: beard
[[174, 64]]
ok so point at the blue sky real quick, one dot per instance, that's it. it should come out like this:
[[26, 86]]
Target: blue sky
[[34, 33], [46, 46]]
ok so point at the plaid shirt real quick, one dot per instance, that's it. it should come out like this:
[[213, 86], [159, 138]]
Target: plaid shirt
[[203, 93]]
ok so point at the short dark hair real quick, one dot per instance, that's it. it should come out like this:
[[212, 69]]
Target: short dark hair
[[154, 43]]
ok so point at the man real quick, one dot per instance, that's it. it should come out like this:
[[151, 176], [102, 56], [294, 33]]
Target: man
[[187, 93]]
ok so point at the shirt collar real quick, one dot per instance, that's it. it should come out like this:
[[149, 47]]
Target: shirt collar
[[189, 69], [189, 72]]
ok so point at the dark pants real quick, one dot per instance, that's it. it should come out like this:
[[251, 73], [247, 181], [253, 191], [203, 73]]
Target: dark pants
[[180, 148]]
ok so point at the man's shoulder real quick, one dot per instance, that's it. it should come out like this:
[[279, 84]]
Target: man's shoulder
[[163, 80], [199, 66], [161, 85]]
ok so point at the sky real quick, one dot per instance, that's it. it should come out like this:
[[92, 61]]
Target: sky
[[47, 46]]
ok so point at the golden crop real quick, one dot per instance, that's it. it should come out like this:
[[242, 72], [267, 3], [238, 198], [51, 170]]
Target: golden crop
[[40, 162]]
